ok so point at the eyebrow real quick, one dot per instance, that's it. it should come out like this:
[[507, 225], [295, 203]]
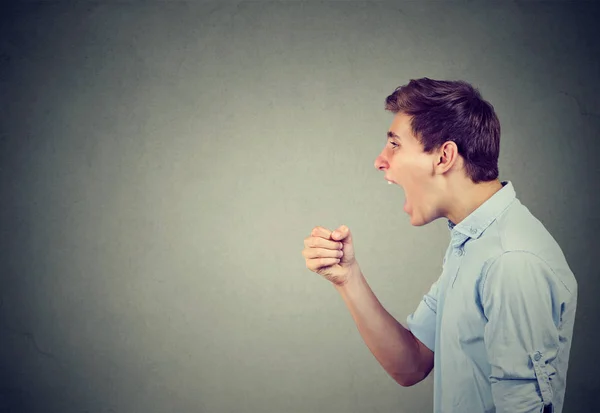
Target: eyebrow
[[391, 134]]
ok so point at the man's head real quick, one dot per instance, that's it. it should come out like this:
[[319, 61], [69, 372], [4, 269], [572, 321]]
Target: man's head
[[444, 136]]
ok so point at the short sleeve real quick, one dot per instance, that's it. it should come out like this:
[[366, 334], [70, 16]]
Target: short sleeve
[[422, 322]]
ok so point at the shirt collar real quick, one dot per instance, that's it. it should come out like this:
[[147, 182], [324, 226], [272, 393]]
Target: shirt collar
[[477, 221]]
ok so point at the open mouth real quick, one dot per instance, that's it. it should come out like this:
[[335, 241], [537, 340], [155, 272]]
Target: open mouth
[[406, 206]]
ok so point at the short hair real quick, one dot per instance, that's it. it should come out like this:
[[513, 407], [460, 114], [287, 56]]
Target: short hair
[[443, 110]]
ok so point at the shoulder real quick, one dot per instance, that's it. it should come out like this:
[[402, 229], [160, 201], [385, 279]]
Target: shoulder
[[520, 230], [524, 244]]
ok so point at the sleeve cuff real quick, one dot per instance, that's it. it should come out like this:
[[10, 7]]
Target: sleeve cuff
[[425, 333]]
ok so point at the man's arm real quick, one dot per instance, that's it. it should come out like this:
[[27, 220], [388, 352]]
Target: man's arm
[[405, 358], [520, 301]]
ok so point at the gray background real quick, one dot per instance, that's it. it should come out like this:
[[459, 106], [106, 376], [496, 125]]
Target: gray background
[[162, 163]]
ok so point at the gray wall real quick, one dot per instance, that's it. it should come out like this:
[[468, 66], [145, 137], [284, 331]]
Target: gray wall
[[162, 163]]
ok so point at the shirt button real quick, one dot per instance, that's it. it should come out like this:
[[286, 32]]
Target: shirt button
[[473, 230], [537, 356], [460, 252]]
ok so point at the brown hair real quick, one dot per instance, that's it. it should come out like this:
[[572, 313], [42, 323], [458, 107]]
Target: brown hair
[[443, 110]]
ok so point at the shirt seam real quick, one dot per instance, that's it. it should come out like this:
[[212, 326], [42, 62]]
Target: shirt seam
[[485, 276]]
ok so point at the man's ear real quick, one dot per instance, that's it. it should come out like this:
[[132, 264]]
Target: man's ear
[[446, 157]]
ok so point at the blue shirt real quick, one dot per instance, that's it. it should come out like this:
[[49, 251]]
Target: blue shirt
[[500, 317]]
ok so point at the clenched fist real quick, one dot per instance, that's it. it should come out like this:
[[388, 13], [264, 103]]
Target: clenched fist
[[330, 254]]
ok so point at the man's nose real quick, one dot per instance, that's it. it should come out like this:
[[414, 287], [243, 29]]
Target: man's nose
[[380, 163]]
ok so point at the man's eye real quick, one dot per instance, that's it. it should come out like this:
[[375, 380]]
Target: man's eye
[[394, 144]]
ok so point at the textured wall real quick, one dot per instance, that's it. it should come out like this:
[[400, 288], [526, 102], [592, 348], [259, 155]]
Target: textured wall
[[162, 163]]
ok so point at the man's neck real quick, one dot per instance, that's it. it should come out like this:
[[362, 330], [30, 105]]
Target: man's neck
[[466, 197]]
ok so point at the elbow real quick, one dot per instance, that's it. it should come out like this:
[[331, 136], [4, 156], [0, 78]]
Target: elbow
[[408, 380], [406, 383]]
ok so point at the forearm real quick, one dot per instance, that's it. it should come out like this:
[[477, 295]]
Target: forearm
[[394, 347]]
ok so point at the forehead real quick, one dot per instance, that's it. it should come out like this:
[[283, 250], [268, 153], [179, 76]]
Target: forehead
[[401, 126]]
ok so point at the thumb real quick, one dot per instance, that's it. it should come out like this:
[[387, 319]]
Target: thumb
[[342, 234]]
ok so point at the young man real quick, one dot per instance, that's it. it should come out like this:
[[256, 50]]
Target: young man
[[497, 324]]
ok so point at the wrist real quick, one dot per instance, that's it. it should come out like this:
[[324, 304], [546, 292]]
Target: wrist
[[353, 278]]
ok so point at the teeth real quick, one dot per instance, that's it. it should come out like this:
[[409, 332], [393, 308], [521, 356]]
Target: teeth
[[389, 182]]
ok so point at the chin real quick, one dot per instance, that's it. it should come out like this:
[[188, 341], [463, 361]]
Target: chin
[[415, 223], [419, 221]]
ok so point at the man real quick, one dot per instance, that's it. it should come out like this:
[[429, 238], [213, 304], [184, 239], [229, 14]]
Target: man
[[497, 324]]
